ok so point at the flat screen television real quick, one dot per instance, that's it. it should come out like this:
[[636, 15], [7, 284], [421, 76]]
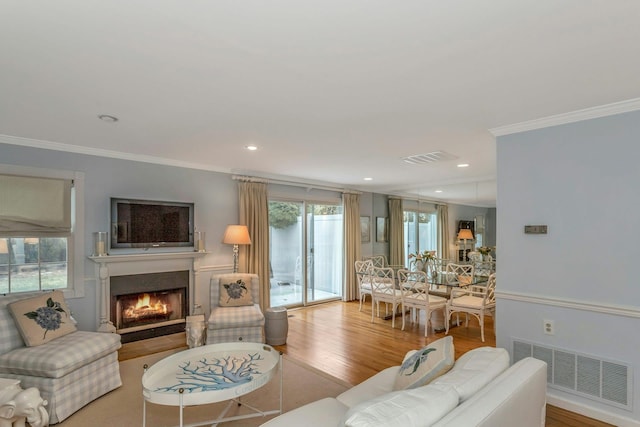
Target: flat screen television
[[150, 223]]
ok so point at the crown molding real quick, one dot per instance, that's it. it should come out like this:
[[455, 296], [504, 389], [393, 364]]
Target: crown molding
[[571, 117], [57, 146]]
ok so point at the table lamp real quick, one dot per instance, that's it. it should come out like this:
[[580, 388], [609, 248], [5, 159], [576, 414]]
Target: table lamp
[[236, 235], [464, 235]]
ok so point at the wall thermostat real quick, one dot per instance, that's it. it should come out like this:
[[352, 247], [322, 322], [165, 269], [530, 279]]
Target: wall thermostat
[[535, 229]]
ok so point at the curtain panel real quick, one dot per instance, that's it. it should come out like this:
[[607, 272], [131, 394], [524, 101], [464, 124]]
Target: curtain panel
[[254, 213], [396, 234], [443, 232], [352, 244]]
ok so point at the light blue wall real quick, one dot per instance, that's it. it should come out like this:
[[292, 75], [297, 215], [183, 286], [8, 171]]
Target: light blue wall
[[581, 180], [214, 195]]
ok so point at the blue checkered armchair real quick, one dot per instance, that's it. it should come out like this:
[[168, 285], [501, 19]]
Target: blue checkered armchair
[[235, 309], [69, 371]]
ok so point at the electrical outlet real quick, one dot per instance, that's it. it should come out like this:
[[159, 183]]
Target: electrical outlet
[[549, 327]]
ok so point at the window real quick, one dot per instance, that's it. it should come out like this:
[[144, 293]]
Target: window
[[41, 230], [420, 232]]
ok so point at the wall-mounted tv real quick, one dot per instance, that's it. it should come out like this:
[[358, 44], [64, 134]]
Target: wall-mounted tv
[[150, 223]]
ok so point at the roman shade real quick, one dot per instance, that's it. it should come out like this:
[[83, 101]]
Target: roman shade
[[31, 206]]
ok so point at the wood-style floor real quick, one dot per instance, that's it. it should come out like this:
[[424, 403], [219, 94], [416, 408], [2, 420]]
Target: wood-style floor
[[339, 339]]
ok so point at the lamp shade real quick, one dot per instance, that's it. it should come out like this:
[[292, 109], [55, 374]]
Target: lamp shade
[[236, 235], [465, 234]]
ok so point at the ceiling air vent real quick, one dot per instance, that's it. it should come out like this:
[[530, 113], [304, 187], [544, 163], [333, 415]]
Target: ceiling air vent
[[434, 156]]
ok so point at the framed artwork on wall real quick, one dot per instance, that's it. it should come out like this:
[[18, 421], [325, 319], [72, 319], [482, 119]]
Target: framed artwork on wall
[[382, 229], [365, 229]]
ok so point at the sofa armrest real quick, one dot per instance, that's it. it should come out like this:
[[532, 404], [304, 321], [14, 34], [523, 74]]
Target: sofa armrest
[[517, 397], [321, 413], [377, 385]]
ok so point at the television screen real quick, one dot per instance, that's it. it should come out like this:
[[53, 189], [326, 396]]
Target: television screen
[[148, 223]]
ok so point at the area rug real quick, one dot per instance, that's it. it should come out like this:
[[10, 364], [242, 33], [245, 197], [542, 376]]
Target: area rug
[[123, 407]]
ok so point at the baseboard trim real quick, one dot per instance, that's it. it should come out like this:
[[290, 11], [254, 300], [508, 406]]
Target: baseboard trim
[[606, 417]]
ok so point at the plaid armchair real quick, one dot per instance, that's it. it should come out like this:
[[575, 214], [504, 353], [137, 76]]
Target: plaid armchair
[[69, 371], [235, 309]]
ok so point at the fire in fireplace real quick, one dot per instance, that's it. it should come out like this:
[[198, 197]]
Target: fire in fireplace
[[149, 305], [145, 308]]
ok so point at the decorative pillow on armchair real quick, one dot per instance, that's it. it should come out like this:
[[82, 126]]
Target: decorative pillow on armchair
[[42, 318], [235, 291], [423, 366]]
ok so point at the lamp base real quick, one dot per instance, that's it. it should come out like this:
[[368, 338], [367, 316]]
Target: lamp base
[[235, 258]]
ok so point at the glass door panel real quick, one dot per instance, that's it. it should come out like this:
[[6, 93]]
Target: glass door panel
[[420, 233], [324, 252], [285, 253]]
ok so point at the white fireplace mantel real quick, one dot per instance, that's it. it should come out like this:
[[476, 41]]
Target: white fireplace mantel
[[126, 264]]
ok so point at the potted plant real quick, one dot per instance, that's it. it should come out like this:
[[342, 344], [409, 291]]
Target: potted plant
[[422, 259], [485, 251]]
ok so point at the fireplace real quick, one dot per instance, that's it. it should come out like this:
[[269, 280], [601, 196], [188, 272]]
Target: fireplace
[[149, 305]]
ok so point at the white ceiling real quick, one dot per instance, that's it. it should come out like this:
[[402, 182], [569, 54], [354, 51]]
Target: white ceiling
[[331, 91]]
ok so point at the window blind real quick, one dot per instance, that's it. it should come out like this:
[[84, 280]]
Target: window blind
[[34, 206]]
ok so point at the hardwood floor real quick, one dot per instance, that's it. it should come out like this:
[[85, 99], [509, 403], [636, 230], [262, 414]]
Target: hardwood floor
[[339, 339]]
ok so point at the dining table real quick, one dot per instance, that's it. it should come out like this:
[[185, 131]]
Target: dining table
[[441, 284]]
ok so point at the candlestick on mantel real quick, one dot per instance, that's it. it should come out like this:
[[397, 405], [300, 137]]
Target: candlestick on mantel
[[100, 248], [199, 246]]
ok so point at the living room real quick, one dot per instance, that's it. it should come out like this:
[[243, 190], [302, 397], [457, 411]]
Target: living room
[[573, 171]]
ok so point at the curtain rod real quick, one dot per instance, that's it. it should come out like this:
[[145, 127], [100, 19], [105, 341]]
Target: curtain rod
[[293, 183]]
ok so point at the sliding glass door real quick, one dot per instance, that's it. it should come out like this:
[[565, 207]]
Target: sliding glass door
[[420, 233], [305, 252]]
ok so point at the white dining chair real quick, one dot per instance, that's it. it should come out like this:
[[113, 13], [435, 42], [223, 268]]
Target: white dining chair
[[416, 297], [384, 290], [477, 301]]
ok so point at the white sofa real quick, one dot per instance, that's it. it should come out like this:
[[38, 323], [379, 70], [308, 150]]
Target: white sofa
[[479, 390]]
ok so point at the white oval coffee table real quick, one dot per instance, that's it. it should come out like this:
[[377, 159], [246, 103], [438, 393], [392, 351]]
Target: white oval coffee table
[[210, 374]]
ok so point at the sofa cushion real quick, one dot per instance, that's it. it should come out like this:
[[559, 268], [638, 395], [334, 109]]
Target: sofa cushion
[[234, 317], [58, 357], [417, 407], [377, 385], [42, 318], [423, 366], [475, 369], [235, 291]]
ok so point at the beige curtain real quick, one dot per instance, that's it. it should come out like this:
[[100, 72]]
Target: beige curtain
[[254, 213], [396, 235], [352, 244], [443, 232]]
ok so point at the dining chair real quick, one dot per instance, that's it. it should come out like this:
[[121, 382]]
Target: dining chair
[[377, 260], [363, 273], [484, 268], [477, 301], [462, 274], [384, 290], [416, 297]]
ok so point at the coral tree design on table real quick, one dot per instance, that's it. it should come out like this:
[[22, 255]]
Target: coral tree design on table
[[215, 374]]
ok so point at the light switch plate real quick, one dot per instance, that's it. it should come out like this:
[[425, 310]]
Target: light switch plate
[[535, 229]]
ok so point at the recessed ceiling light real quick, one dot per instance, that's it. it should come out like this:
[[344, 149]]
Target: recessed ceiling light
[[368, 179], [251, 147], [438, 191], [107, 118], [463, 165]]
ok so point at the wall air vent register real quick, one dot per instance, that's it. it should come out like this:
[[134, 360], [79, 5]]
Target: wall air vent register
[[588, 376]]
